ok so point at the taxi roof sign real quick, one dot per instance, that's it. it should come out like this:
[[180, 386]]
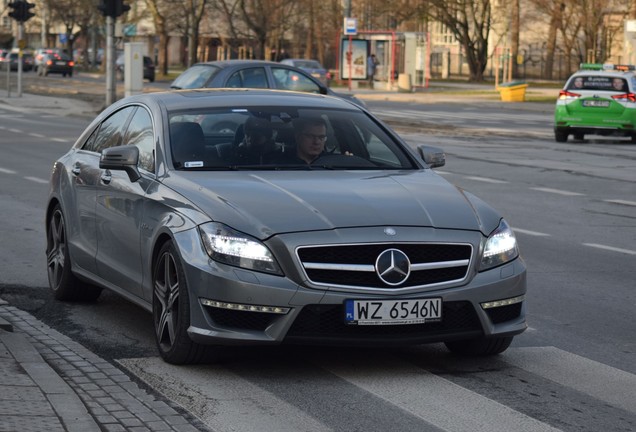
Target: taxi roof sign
[[606, 66]]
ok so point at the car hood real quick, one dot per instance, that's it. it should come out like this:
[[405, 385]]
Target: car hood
[[266, 203]]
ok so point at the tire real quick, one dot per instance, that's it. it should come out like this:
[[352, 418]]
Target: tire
[[64, 284], [479, 347], [579, 136], [560, 136], [171, 310]]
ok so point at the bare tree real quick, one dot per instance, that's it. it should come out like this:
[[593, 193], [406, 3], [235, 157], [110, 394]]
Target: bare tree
[[73, 14], [160, 9], [470, 21]]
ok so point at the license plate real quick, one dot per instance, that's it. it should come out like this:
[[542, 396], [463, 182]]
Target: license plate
[[315, 75], [393, 312], [596, 103], [60, 63]]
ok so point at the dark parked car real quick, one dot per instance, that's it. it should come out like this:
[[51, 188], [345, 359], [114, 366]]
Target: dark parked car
[[27, 61], [312, 67], [253, 74], [363, 244], [59, 63], [148, 66]]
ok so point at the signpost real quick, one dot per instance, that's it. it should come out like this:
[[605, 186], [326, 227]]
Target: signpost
[[350, 29]]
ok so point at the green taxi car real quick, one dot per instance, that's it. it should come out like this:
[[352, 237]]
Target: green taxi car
[[599, 99]]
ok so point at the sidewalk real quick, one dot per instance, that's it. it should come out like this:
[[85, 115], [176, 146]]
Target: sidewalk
[[50, 383], [65, 106]]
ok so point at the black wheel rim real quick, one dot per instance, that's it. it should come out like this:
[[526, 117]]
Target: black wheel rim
[[56, 249], [166, 309]]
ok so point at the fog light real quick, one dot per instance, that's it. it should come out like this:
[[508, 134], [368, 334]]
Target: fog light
[[244, 307], [504, 302]]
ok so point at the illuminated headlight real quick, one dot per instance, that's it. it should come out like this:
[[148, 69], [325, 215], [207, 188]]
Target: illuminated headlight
[[245, 307], [504, 302], [228, 246], [500, 247]]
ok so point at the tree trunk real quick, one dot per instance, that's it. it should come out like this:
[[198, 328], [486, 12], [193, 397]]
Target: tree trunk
[[514, 39]]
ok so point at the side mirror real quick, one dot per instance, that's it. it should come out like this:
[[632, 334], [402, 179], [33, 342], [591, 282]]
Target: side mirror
[[434, 157], [122, 158]]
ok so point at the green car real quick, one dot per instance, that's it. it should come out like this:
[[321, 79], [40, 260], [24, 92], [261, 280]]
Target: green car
[[599, 99]]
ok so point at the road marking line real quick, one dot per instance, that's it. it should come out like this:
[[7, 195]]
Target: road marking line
[[557, 191], [60, 140], [14, 130], [444, 404], [531, 233], [6, 171], [624, 202], [610, 248], [486, 179], [598, 380], [37, 135], [36, 180]]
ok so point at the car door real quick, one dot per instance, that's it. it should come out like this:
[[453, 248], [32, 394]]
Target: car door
[[119, 210]]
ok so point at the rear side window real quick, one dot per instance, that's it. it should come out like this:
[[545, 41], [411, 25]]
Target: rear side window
[[288, 79], [595, 82]]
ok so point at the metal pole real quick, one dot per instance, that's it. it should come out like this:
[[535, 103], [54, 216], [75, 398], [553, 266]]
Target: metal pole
[[8, 63], [20, 33], [111, 90], [350, 59]]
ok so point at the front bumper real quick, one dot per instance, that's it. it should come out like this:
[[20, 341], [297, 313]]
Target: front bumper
[[220, 297]]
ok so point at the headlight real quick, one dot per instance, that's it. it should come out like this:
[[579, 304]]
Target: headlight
[[500, 247], [231, 247]]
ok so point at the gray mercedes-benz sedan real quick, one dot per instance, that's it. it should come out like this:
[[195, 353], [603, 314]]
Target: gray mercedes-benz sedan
[[243, 216]]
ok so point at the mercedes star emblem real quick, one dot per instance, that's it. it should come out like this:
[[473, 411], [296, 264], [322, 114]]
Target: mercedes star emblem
[[393, 267]]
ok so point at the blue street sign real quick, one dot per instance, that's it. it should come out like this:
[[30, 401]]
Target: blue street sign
[[351, 26]]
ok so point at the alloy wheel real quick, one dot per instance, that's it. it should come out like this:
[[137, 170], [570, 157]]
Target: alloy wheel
[[166, 311]]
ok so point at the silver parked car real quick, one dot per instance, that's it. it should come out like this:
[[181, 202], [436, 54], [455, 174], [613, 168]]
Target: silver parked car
[[243, 216]]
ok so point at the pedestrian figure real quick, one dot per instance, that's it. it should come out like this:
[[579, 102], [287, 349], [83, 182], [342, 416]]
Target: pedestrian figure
[[372, 64]]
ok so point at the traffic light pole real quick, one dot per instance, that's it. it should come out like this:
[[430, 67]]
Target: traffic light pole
[[111, 89]]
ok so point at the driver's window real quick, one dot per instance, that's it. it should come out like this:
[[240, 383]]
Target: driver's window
[[110, 132], [140, 134], [248, 78]]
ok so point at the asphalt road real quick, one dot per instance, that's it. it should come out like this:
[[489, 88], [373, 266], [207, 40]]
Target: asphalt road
[[573, 207]]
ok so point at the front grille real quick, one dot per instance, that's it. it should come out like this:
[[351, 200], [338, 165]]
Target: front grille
[[504, 313], [326, 322], [333, 265]]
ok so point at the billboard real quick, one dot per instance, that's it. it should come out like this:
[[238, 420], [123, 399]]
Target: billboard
[[359, 52]]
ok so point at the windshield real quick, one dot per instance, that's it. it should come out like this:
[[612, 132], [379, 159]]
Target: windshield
[[287, 138], [196, 76]]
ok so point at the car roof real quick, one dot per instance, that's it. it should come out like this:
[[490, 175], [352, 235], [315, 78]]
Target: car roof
[[235, 62], [609, 73], [225, 97]]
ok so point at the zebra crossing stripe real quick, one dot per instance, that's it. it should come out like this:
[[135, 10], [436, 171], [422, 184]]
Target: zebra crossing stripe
[[595, 379], [434, 399]]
